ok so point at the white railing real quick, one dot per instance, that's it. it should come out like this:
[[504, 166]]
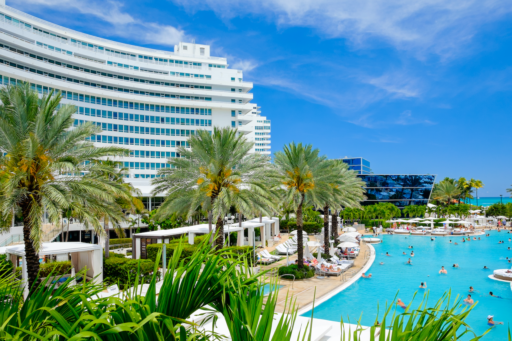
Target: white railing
[[15, 238]]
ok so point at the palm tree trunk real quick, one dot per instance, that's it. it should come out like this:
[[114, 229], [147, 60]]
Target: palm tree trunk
[[67, 235], [32, 258], [326, 229], [334, 223], [219, 231], [300, 244], [107, 238]]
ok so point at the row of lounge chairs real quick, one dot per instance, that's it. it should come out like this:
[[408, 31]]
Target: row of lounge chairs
[[266, 258], [289, 247]]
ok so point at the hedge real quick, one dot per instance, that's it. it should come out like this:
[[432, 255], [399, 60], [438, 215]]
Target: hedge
[[122, 271], [114, 255], [324, 255], [369, 223], [306, 272], [117, 241], [308, 227], [188, 250], [55, 269]]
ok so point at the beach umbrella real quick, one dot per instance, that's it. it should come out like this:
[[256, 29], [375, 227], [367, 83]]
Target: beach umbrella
[[317, 245], [353, 234], [294, 233], [349, 229], [345, 238], [347, 244]]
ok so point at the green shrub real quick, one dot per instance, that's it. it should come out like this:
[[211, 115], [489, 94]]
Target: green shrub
[[6, 266], [324, 255], [55, 268], [244, 252], [114, 255], [375, 222], [117, 241], [306, 272], [122, 271], [309, 228], [186, 252]]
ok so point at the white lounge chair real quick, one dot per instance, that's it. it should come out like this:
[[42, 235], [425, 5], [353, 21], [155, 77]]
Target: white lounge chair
[[268, 255]]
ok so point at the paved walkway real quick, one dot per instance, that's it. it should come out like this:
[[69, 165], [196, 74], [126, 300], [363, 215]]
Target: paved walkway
[[304, 291]]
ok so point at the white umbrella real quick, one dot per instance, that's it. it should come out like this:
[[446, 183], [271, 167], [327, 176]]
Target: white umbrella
[[294, 232], [317, 245], [345, 238], [349, 229], [431, 205], [347, 244], [501, 217], [353, 234]]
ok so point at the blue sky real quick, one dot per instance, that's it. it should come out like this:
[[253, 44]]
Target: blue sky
[[413, 86]]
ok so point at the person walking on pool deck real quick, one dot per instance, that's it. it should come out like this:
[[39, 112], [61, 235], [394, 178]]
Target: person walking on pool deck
[[443, 270]]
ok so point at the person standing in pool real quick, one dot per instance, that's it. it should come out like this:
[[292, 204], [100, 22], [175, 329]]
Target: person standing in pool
[[469, 300], [443, 271], [491, 322]]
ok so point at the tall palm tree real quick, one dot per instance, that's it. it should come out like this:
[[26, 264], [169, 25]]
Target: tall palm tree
[[211, 174], [42, 161], [307, 177], [446, 191]]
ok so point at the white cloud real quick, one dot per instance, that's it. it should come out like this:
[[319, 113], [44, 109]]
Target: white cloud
[[423, 26], [111, 12], [405, 118], [396, 84]]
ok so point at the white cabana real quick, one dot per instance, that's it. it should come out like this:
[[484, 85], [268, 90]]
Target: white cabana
[[294, 233], [82, 255]]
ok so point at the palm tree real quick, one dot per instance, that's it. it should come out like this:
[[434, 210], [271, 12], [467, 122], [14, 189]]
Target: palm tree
[[42, 161], [446, 191], [307, 177], [211, 175]]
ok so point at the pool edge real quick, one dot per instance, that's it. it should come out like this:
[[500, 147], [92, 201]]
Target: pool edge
[[342, 287]]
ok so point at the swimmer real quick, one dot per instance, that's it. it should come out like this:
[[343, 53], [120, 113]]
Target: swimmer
[[366, 276], [404, 253], [455, 244], [471, 289], [450, 241], [381, 263], [474, 238], [485, 267], [443, 271], [479, 238], [491, 294], [412, 254], [387, 254], [455, 265], [401, 304], [491, 322], [469, 300], [509, 248], [409, 261], [423, 285]]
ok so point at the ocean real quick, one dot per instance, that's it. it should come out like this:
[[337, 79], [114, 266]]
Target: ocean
[[488, 201]]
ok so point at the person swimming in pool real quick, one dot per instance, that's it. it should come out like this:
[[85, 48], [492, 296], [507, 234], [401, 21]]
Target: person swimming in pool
[[381, 263], [387, 254], [450, 241], [468, 300], [443, 271], [423, 285], [455, 244], [491, 294], [409, 262], [404, 253], [479, 238], [366, 276], [485, 267], [455, 265], [491, 322], [412, 254], [401, 304], [471, 289]]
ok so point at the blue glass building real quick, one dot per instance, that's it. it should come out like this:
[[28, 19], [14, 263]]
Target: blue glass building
[[400, 190], [358, 164]]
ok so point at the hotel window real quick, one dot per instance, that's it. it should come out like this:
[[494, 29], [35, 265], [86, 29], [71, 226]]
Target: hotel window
[[233, 90], [233, 113], [233, 124], [233, 101], [232, 79]]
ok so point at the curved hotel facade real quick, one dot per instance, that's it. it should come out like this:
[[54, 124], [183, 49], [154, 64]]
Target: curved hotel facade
[[148, 101]]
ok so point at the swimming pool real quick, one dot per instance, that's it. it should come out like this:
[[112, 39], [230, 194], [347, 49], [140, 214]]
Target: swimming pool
[[363, 296]]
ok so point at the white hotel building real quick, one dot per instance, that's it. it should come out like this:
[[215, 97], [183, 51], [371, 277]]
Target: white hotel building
[[148, 101]]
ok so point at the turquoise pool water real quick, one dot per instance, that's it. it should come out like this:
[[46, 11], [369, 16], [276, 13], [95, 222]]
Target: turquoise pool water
[[488, 201], [266, 289], [363, 296]]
